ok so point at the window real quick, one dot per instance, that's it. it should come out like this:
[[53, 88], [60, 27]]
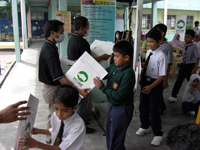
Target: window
[[37, 16], [190, 20], [146, 21], [171, 21]]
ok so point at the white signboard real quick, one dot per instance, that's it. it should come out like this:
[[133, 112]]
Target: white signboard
[[82, 73], [99, 48], [27, 125], [66, 64], [180, 26]]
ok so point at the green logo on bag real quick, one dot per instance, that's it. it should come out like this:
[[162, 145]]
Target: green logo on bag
[[180, 24], [82, 76]]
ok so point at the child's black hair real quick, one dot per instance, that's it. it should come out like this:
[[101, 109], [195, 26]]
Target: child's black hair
[[124, 48], [80, 22], [190, 32], [154, 34], [196, 23], [66, 95], [52, 25], [161, 27]]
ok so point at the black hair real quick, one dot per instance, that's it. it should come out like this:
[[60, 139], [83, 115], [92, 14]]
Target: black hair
[[124, 48], [196, 23], [184, 137], [52, 25], [80, 22], [190, 32], [161, 27], [154, 34], [66, 95]]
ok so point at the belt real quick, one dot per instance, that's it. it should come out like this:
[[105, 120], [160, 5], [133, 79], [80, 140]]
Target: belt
[[149, 79]]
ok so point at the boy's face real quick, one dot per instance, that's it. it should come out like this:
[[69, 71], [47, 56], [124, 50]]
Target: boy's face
[[60, 31], [195, 83], [188, 38], [152, 44], [63, 112], [119, 60]]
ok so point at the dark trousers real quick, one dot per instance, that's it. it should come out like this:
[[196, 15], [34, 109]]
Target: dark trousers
[[184, 72], [162, 102], [188, 106], [149, 106], [118, 120]]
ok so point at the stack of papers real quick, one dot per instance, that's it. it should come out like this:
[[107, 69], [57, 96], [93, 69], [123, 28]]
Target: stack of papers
[[99, 48], [66, 64]]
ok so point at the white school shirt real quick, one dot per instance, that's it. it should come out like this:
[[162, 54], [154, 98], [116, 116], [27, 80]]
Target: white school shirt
[[73, 133], [196, 30], [157, 65]]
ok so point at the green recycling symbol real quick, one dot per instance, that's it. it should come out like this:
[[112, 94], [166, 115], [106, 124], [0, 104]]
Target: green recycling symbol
[[180, 24], [82, 76], [28, 127]]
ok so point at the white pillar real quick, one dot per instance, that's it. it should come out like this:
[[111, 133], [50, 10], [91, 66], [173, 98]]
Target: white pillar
[[154, 14], [165, 12]]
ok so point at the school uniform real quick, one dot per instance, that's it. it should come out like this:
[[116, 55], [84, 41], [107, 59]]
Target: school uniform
[[49, 73], [190, 55], [196, 30], [73, 133], [149, 103], [168, 50], [119, 93]]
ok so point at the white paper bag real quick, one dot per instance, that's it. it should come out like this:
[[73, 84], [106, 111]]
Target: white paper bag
[[99, 48], [27, 125], [66, 64], [82, 73]]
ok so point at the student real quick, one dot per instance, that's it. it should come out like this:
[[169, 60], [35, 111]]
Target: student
[[117, 36], [176, 41], [167, 49], [184, 137], [196, 28], [191, 95], [77, 45], [50, 72], [152, 78], [68, 129], [189, 63], [119, 92]]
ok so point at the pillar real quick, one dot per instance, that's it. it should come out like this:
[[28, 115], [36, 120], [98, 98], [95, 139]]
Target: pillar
[[24, 24], [16, 30], [49, 12], [29, 22], [126, 18], [154, 14], [53, 9], [63, 46], [165, 12]]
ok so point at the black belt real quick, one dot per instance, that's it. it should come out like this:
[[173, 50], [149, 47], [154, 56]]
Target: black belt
[[149, 79]]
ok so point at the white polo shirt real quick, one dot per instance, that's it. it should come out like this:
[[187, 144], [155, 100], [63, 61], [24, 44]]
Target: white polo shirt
[[157, 64], [73, 134]]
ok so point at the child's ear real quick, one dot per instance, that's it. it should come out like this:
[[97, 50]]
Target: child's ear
[[76, 107], [127, 58], [162, 34]]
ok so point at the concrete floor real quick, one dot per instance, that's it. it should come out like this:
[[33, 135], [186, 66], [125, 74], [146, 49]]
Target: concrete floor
[[23, 80]]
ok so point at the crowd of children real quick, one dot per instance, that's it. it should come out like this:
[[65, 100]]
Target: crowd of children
[[67, 130]]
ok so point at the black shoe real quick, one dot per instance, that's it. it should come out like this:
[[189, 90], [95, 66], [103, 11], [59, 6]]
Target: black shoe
[[87, 123], [89, 130]]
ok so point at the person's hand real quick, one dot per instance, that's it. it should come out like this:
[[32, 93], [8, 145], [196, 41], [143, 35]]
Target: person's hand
[[136, 65], [12, 113], [165, 84], [84, 92], [35, 131], [191, 90], [194, 71], [98, 83], [146, 89], [105, 56], [27, 142]]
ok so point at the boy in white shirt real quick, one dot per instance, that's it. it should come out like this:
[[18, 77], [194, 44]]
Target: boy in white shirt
[[68, 129]]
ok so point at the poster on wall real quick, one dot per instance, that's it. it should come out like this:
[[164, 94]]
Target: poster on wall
[[180, 26], [101, 17], [65, 17], [27, 125]]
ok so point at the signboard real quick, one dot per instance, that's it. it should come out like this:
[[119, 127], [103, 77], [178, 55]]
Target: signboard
[[65, 17], [82, 73], [101, 17], [180, 26], [27, 125]]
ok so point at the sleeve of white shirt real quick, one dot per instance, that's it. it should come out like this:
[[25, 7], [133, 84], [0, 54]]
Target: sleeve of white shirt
[[169, 55], [196, 53], [74, 140], [162, 63]]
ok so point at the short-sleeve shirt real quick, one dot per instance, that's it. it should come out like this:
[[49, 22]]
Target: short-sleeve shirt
[[77, 45], [157, 64], [49, 64], [168, 50], [196, 30], [191, 55], [73, 134]]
